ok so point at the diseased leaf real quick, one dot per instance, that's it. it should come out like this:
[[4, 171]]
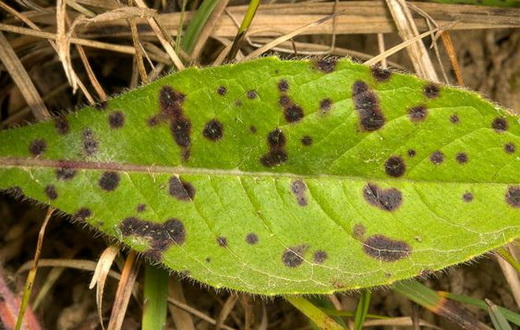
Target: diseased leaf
[[278, 177]]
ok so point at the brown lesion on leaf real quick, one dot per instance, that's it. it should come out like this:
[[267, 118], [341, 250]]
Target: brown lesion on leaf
[[395, 166], [325, 65], [299, 190], [431, 91], [293, 256], [83, 214], [389, 199], [160, 235], [222, 241], [50, 192], [171, 112], [213, 130], [386, 249], [37, 147], [500, 125], [380, 74], [109, 181], [510, 148], [437, 157], [320, 256], [251, 239], [90, 144], [277, 153], [116, 119], [181, 190], [365, 101], [65, 173], [513, 196], [417, 113]]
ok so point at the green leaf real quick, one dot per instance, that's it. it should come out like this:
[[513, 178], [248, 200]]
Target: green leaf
[[279, 177]]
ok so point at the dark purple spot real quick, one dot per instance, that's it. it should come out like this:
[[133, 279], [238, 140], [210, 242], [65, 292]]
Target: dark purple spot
[[293, 113], [116, 119], [62, 125], [153, 121], [467, 197], [161, 235], [386, 199], [214, 130], [325, 105], [222, 241], [513, 196], [454, 119], [284, 101], [252, 94], [251, 238], [299, 188], [181, 190], [276, 155], [181, 129], [306, 140], [437, 157], [283, 85], [51, 192], [83, 213], [380, 74], [37, 147], [500, 125], [65, 173], [385, 249], [358, 232], [293, 256], [367, 106], [510, 148], [417, 113], [326, 65], [90, 145], [395, 166], [101, 105], [222, 90], [109, 181], [431, 91], [462, 158], [141, 208], [320, 257], [252, 129], [411, 153]]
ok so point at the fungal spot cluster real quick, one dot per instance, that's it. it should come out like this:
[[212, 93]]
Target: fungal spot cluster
[[380, 74], [90, 144], [367, 105], [385, 249], [116, 119], [160, 235], [437, 157], [61, 125], [431, 91], [306, 140], [181, 190], [292, 112], [325, 105], [417, 113], [251, 239], [277, 153], [171, 111], [385, 199], [293, 256], [325, 65], [513, 196], [500, 125], [299, 189]]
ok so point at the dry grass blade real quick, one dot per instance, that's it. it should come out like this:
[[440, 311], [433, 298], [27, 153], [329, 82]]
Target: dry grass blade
[[511, 276], [124, 291], [32, 273], [80, 264], [17, 72], [197, 313], [399, 322], [100, 276], [286, 37], [63, 44], [208, 29], [226, 310], [181, 318], [408, 30]]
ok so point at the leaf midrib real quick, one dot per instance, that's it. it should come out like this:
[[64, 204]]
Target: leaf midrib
[[10, 162]]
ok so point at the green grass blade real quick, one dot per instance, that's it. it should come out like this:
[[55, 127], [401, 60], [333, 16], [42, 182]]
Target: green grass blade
[[196, 24], [316, 315], [155, 298], [498, 319], [362, 309]]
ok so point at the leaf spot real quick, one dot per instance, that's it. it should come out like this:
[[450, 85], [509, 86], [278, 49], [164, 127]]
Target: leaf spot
[[510, 148], [385, 249], [283, 86], [320, 257], [65, 173], [222, 241], [299, 188], [221, 90], [437, 157], [37, 147], [83, 213], [431, 91], [214, 130], [380, 74], [462, 158], [61, 125], [467, 197], [251, 94], [386, 199], [140, 208], [116, 119], [513, 196], [293, 256], [395, 166], [411, 153], [276, 155], [51, 192], [181, 190], [251, 238], [325, 105], [417, 113], [306, 140], [326, 65], [454, 119], [367, 106], [109, 181], [500, 125], [90, 145]]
